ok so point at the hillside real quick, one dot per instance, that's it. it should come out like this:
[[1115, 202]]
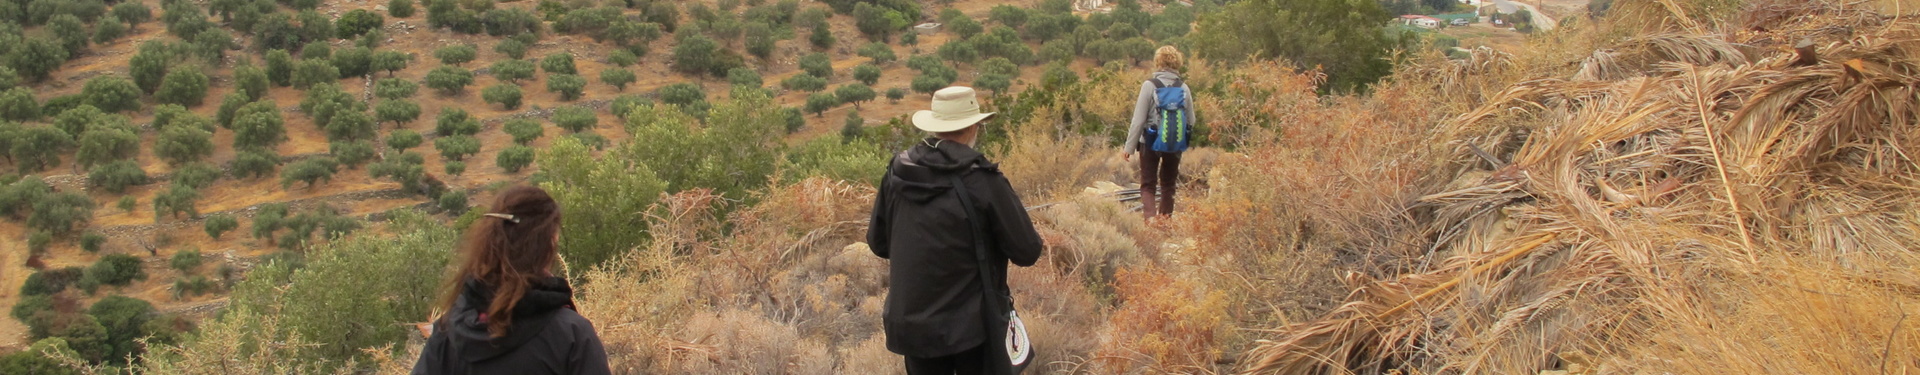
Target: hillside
[[353, 190], [1689, 186]]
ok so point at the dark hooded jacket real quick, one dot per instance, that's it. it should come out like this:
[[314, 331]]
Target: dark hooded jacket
[[546, 336], [934, 305]]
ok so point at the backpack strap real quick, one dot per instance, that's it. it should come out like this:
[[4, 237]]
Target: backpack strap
[[1156, 83], [987, 287]]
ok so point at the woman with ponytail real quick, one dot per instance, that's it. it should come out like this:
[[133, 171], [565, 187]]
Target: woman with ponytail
[[506, 312]]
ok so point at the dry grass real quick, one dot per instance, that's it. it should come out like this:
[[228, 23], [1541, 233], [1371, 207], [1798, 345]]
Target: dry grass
[[1682, 205]]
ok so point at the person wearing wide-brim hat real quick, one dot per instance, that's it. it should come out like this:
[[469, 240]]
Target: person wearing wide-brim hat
[[935, 310]]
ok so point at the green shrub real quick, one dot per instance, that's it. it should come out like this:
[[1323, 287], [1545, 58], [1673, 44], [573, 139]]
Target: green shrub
[[853, 93], [515, 49], [851, 159], [394, 88], [618, 78], [817, 64], [111, 93], [512, 159], [820, 102], [61, 213], [127, 203], [197, 175], [744, 77], [524, 131], [403, 139], [314, 71], [456, 54], [558, 63], [457, 147], [867, 74], [219, 224], [512, 71], [117, 176], [312, 171], [195, 285], [449, 80], [506, 95], [50, 282], [453, 201], [574, 118], [455, 121], [804, 82], [113, 269], [400, 8], [455, 168], [178, 199], [255, 164], [397, 111], [38, 241], [569, 86], [187, 260], [92, 241]]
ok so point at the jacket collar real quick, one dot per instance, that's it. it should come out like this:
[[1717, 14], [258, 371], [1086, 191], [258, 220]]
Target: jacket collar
[[530, 316]]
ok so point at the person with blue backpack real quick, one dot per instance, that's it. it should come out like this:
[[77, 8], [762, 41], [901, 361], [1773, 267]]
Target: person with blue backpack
[[1162, 129]]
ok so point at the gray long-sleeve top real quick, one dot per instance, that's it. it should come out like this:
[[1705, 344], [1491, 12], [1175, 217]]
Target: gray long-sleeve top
[[1143, 109]]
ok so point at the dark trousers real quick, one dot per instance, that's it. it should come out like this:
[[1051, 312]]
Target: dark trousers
[[971, 361], [1159, 171]]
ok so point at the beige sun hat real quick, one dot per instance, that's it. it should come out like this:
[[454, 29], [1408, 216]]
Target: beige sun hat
[[954, 108]]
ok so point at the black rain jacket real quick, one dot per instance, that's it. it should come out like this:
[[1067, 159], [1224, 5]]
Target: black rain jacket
[[934, 305], [546, 337]]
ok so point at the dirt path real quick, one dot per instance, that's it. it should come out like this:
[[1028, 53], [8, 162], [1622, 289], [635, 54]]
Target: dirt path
[[1540, 20]]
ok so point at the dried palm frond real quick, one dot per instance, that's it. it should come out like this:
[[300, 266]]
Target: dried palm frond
[[1683, 181]]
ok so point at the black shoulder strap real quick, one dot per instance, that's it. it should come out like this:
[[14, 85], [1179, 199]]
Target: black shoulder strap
[[979, 244], [1156, 83]]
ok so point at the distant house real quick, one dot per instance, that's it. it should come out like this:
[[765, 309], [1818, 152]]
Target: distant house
[[1471, 2], [1420, 21]]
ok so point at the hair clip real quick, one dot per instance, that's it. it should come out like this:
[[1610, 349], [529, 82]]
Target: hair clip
[[508, 218]]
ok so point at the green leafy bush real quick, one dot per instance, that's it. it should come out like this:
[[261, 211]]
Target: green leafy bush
[[219, 224]]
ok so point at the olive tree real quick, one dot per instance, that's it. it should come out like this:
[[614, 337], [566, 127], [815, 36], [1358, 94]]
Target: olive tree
[[219, 224], [512, 71], [558, 63], [403, 139], [457, 147], [455, 54], [569, 86], [574, 118], [311, 171], [455, 121], [449, 80], [867, 74], [176, 200], [180, 145], [258, 126], [619, 78], [507, 95], [115, 177], [394, 88], [398, 111], [524, 131], [111, 93], [514, 158], [390, 61], [187, 87], [18, 104]]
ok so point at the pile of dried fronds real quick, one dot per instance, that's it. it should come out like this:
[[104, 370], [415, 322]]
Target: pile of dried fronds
[[1696, 199]]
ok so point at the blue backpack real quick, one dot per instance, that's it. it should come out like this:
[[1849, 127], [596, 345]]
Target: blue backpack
[[1172, 129]]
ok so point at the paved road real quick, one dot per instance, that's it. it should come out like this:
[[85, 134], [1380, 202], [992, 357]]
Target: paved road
[[1540, 19]]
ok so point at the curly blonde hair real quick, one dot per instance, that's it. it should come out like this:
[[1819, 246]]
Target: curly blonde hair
[[1167, 58]]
